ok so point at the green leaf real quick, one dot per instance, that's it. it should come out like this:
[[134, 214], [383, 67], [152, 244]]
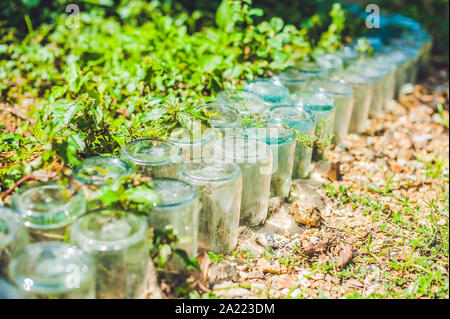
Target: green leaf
[[71, 109], [57, 92], [224, 18]]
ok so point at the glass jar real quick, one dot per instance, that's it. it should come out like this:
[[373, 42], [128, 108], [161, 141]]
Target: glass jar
[[224, 119], [312, 70], [271, 92], [194, 144], [331, 63], [254, 157], [293, 79], [323, 108], [303, 123], [343, 96], [48, 209], [152, 157], [282, 144], [54, 270], [377, 78], [13, 237], [117, 241], [244, 102], [219, 186], [412, 49], [97, 169], [363, 90], [387, 67], [348, 55], [400, 60], [178, 210]]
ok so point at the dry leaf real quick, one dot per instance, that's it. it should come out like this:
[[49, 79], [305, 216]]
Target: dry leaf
[[306, 213]]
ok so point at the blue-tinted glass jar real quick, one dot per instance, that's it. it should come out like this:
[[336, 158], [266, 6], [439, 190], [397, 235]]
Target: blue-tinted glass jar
[[303, 123], [271, 92]]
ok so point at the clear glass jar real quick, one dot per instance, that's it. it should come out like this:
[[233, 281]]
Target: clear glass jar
[[224, 119], [388, 68], [243, 101], [271, 92], [400, 60], [54, 270], [219, 187], [97, 169], [377, 78], [412, 49], [343, 96], [323, 108], [152, 157], [312, 70], [348, 55], [331, 63], [293, 79], [303, 123], [282, 144], [117, 241], [363, 90], [13, 237], [254, 157], [48, 209], [194, 145], [178, 209]]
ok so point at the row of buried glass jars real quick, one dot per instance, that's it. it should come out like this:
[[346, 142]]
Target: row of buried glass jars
[[208, 180]]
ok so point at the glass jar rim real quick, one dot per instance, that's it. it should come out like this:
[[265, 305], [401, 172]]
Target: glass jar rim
[[232, 124], [191, 197], [241, 98], [173, 158], [82, 240], [78, 257], [291, 75], [308, 118], [287, 135], [77, 170], [225, 153], [333, 87], [188, 169], [354, 78], [29, 215], [282, 92], [206, 137], [325, 103]]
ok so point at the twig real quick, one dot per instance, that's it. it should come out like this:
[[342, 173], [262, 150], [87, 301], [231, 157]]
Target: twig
[[24, 179]]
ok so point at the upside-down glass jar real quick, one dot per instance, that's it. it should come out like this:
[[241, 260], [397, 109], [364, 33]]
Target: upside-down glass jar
[[244, 102], [281, 139], [194, 145], [343, 96], [97, 169], [54, 270], [117, 242], [348, 55], [9, 291], [224, 119], [254, 157], [377, 78], [13, 237], [152, 157], [387, 67], [271, 92], [323, 108], [331, 63], [177, 211], [363, 90], [219, 187], [412, 49], [293, 79], [311, 70], [398, 58], [48, 209], [303, 123]]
